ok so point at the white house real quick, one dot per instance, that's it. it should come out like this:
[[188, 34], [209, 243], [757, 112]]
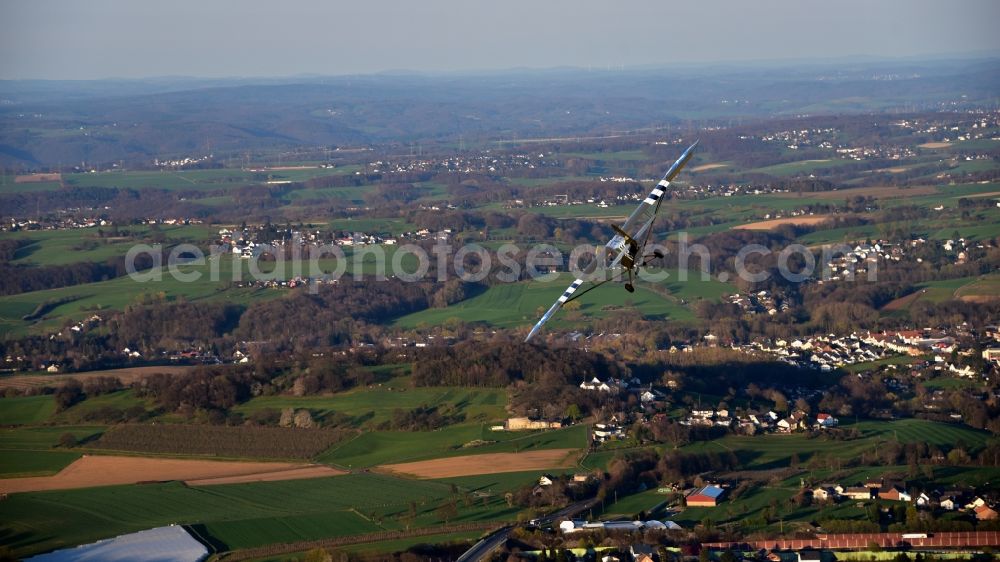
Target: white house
[[826, 420], [824, 493]]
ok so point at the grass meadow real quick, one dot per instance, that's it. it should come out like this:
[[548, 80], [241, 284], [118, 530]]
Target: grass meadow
[[239, 515]]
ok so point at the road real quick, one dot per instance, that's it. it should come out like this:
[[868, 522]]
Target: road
[[484, 548]]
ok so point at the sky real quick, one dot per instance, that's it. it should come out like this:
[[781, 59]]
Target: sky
[[77, 39]]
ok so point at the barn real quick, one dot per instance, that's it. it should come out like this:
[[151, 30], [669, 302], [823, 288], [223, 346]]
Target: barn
[[708, 496]]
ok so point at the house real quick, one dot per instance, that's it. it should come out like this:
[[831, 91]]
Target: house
[[992, 354], [789, 424], [605, 431], [708, 496], [545, 480], [857, 492], [826, 420], [949, 504], [824, 493], [894, 493], [925, 499], [649, 396], [976, 502]]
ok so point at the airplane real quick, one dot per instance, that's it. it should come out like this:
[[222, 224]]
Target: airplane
[[624, 250]]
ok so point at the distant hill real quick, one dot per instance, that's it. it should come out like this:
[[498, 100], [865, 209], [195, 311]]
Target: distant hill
[[45, 123]]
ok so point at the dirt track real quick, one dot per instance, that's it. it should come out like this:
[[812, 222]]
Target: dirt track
[[32, 178], [490, 463], [127, 376], [775, 223], [706, 167], [99, 470]]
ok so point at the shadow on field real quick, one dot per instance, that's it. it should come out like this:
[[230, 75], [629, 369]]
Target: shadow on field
[[201, 534]]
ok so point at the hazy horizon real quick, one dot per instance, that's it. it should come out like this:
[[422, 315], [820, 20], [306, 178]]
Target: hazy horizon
[[67, 40]]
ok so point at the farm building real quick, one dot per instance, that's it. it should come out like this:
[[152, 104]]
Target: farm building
[[856, 492], [166, 544], [894, 493], [708, 496], [520, 424]]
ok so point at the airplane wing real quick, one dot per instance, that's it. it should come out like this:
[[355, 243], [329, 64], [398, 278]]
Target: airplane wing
[[637, 226], [640, 221], [555, 306]]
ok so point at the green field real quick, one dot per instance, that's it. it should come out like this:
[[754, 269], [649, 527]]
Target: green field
[[61, 247], [629, 506], [84, 300], [15, 464], [620, 155], [184, 180], [240, 515], [197, 180], [120, 400], [23, 410], [938, 291], [34, 451], [8, 186], [588, 210], [776, 450], [384, 447], [515, 304], [43, 438], [802, 167], [535, 182], [376, 405], [212, 278], [498, 483]]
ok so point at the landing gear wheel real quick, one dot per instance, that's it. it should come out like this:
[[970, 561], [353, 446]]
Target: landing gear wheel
[[629, 287]]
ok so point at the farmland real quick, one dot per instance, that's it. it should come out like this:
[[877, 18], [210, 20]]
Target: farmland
[[376, 452], [769, 451], [60, 247], [240, 515], [775, 223], [101, 470], [127, 375], [34, 451], [222, 441], [514, 304], [26, 410], [383, 447], [488, 463], [370, 407]]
